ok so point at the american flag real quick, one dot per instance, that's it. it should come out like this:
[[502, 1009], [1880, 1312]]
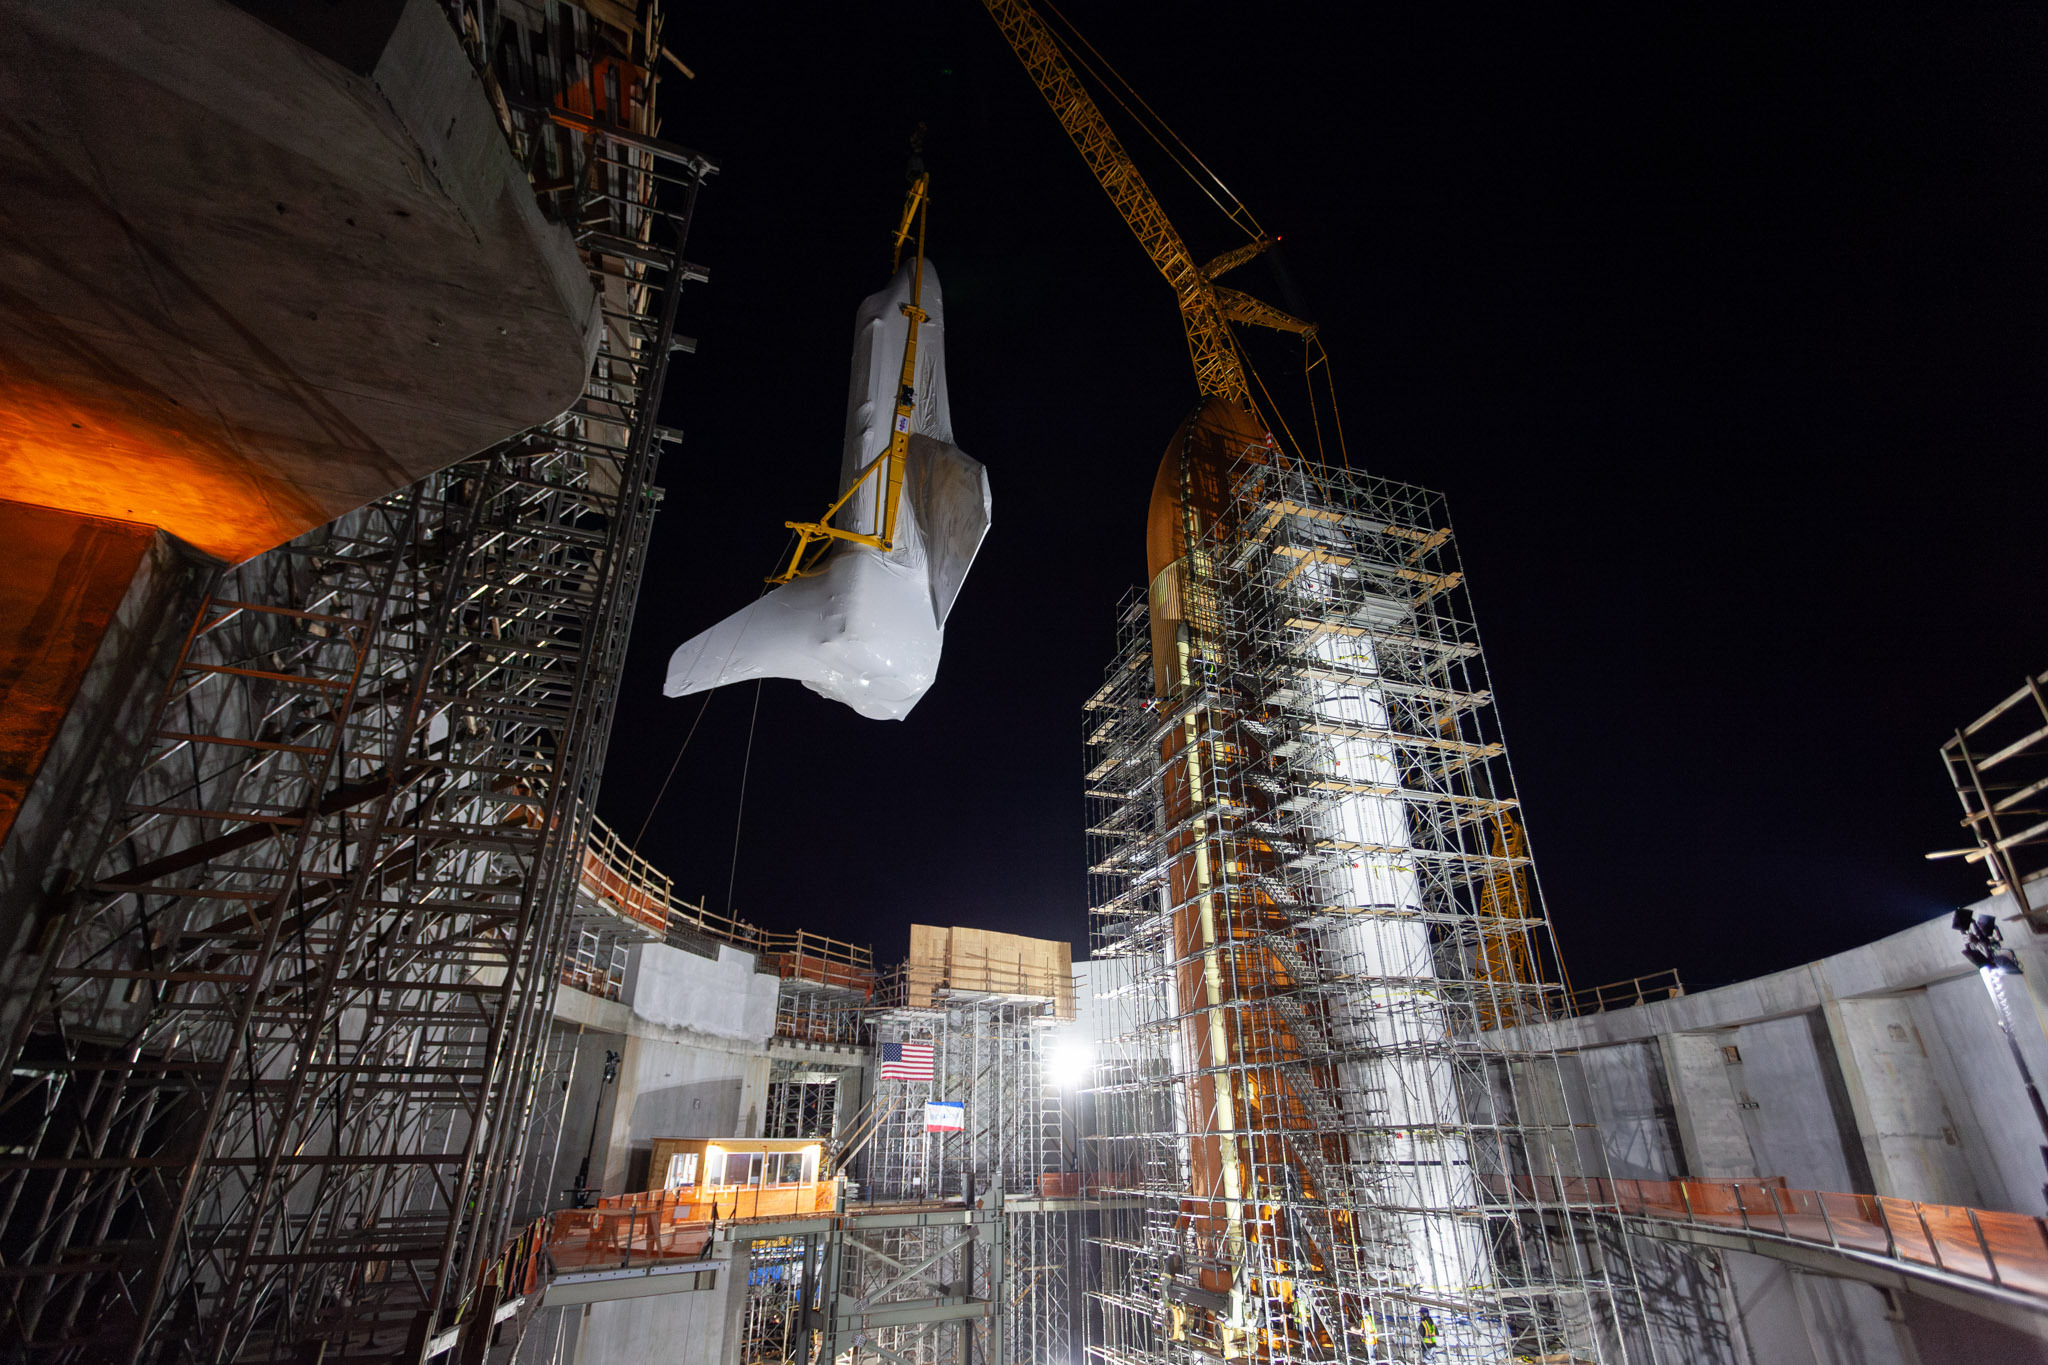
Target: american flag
[[906, 1061]]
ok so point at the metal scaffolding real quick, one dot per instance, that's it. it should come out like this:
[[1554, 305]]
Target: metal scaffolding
[[982, 1059], [272, 1064], [948, 1253], [1042, 1239], [803, 1101], [1995, 764], [1312, 914]]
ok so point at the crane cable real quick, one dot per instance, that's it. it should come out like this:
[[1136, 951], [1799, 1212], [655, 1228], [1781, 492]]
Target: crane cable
[[739, 814], [709, 692], [1310, 360], [1278, 415], [1241, 216]]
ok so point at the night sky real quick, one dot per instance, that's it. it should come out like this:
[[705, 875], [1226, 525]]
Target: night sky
[[1722, 330]]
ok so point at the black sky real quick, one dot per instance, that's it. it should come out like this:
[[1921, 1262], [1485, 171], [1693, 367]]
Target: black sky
[[1722, 329]]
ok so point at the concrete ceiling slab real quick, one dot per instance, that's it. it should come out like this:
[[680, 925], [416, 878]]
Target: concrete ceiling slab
[[244, 289]]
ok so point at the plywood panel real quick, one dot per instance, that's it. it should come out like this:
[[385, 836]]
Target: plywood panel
[[925, 972], [981, 961]]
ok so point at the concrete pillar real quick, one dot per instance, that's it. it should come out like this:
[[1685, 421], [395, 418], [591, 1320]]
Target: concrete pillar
[[616, 1140], [93, 614], [1910, 1137], [1848, 1323], [1709, 1117], [753, 1096]]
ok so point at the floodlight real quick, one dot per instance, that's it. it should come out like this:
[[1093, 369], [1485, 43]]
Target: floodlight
[[1068, 1063]]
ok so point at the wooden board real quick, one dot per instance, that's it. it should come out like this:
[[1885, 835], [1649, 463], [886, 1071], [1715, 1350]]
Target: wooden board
[[982, 962]]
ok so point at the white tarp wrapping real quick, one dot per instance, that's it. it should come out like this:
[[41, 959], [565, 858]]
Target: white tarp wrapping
[[866, 629]]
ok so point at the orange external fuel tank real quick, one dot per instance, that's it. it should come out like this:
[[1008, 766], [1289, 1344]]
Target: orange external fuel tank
[[1214, 981]]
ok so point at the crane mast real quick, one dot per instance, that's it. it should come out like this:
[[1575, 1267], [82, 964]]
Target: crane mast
[[1219, 372]]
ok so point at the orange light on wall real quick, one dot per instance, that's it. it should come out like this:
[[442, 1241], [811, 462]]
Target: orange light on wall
[[148, 461], [65, 576]]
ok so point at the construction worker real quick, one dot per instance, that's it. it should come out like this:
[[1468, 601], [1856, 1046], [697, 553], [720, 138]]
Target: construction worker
[[1372, 1335], [1425, 1333]]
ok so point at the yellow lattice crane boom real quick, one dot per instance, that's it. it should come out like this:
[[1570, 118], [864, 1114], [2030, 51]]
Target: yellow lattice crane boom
[[1205, 310], [814, 538]]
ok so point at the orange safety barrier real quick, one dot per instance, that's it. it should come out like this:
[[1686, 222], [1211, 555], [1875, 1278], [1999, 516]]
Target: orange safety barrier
[[655, 1226], [2009, 1250], [810, 965], [621, 893], [722, 1203], [601, 1238]]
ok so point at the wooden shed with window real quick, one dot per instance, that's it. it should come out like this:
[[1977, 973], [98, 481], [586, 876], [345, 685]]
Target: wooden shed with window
[[742, 1177]]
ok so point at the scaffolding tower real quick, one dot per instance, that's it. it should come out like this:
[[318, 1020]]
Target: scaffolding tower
[[272, 1063], [947, 1251], [1995, 765], [1312, 914]]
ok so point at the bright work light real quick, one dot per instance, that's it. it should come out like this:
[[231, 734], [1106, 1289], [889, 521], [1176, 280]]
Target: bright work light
[[1068, 1063]]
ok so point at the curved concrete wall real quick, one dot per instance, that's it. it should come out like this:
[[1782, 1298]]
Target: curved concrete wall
[[1880, 1070]]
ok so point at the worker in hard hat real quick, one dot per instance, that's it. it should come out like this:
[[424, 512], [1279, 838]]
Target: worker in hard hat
[[1425, 1333]]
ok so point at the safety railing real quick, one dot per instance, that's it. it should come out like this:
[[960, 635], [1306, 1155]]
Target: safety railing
[[621, 1238], [621, 881], [825, 961], [652, 1227], [825, 1017], [1637, 990], [2004, 1250], [924, 985]]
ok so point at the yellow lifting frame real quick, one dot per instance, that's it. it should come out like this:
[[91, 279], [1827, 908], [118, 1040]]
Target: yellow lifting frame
[[814, 538]]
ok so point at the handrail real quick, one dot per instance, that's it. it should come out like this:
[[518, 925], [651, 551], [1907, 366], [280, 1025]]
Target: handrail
[[1637, 990], [2004, 1251], [653, 1227], [617, 877], [847, 1144]]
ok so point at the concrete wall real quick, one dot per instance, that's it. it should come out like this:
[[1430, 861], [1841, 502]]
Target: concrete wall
[[675, 1329], [1880, 1070], [250, 289], [1906, 1095], [722, 998], [693, 1037], [92, 616], [1639, 1124]]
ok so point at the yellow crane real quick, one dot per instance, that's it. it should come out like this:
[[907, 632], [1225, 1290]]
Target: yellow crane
[[814, 538], [1206, 308]]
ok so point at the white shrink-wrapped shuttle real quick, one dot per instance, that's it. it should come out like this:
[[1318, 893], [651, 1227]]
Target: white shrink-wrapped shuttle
[[866, 625]]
